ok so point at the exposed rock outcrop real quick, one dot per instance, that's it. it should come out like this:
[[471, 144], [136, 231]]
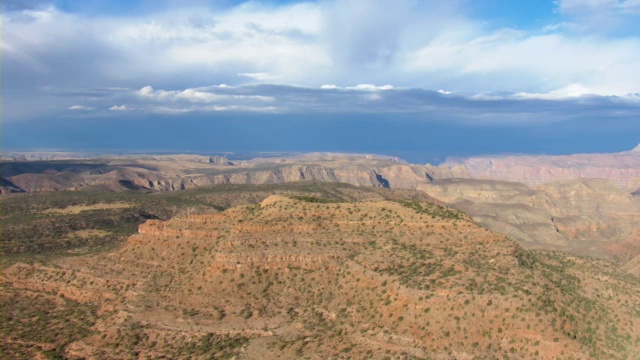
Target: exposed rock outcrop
[[179, 172], [622, 168], [293, 278], [220, 160], [582, 215]]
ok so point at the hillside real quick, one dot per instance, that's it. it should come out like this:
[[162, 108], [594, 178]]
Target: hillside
[[379, 276], [61, 222]]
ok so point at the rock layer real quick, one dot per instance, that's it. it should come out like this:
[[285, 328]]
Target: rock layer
[[176, 172], [583, 216], [622, 168], [292, 279]]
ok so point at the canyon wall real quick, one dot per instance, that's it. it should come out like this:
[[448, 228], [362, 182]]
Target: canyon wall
[[622, 168]]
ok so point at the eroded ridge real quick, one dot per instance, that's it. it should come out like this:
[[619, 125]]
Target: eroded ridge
[[293, 278]]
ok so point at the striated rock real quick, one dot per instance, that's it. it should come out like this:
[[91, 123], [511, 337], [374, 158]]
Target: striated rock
[[622, 168], [583, 216], [393, 176], [289, 279], [220, 160], [445, 171], [179, 172], [271, 260]]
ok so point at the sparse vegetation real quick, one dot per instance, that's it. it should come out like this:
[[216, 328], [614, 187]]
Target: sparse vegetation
[[316, 271]]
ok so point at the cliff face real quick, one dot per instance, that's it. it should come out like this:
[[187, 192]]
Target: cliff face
[[621, 168], [220, 160], [178, 172], [358, 177], [169, 173], [397, 176], [584, 216], [581, 215]]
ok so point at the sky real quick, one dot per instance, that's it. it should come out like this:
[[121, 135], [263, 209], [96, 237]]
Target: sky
[[418, 79]]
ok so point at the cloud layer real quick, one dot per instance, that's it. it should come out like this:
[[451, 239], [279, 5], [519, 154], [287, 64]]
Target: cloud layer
[[312, 56], [488, 108]]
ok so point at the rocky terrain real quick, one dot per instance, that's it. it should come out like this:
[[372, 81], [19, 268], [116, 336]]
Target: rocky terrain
[[386, 274], [586, 216], [61, 221], [320, 256], [68, 171], [179, 172], [582, 215], [622, 168]]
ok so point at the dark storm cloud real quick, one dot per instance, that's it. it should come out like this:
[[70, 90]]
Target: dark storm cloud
[[473, 109]]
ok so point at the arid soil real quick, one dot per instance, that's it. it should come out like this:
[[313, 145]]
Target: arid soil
[[107, 261], [309, 277]]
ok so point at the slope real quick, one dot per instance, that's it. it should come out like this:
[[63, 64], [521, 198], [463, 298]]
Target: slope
[[312, 277]]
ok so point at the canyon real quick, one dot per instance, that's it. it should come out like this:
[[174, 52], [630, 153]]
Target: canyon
[[320, 256], [310, 277], [585, 203], [622, 168], [65, 171]]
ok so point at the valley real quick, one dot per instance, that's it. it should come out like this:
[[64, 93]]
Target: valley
[[316, 256]]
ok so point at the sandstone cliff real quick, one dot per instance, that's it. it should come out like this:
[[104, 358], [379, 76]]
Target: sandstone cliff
[[219, 160], [622, 168], [583, 216], [179, 172]]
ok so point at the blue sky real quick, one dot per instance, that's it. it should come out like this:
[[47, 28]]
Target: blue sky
[[563, 74]]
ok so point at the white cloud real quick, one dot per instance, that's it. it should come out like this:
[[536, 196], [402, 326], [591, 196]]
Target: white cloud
[[370, 87], [198, 95], [498, 108], [411, 44], [259, 76], [145, 90], [81, 107], [601, 16], [171, 110], [571, 91], [517, 62], [591, 6], [363, 87], [286, 99]]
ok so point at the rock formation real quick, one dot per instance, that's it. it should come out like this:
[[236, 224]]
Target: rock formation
[[291, 278], [220, 160], [622, 168], [583, 216], [179, 172]]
